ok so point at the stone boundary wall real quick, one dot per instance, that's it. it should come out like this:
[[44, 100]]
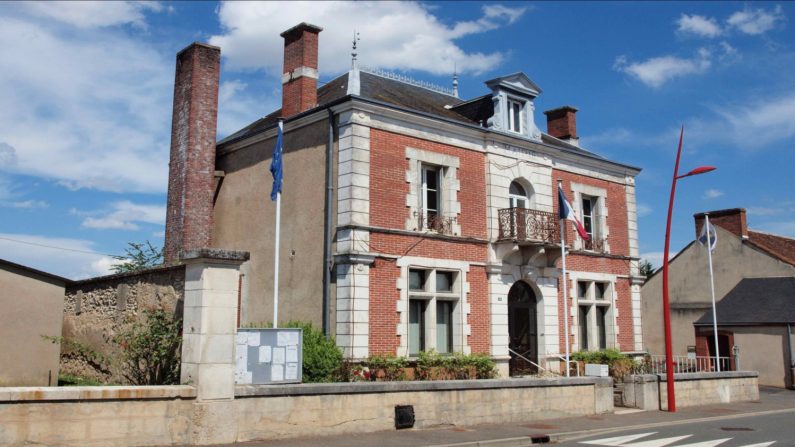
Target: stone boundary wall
[[171, 415], [96, 309], [650, 392]]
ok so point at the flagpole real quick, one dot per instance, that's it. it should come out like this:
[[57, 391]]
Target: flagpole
[[712, 289], [276, 261], [565, 286]]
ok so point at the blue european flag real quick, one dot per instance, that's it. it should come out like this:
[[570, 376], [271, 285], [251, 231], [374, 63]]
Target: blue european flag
[[276, 165]]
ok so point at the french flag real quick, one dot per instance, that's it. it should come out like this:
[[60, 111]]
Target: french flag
[[566, 212]]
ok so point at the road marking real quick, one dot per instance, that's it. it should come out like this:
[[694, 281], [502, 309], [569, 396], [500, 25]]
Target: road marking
[[761, 444], [618, 440], [706, 443], [657, 442]]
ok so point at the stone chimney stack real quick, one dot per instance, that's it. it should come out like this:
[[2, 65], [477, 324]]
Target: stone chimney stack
[[299, 76], [191, 169], [562, 124], [732, 220]]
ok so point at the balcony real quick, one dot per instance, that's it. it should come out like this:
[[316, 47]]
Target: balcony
[[522, 224], [596, 244]]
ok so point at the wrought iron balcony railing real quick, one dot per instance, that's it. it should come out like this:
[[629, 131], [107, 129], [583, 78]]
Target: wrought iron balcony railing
[[524, 224], [597, 244], [435, 222]]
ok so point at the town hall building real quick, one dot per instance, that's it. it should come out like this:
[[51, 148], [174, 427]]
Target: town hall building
[[411, 219]]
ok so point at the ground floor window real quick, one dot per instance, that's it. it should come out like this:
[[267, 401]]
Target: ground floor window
[[593, 308], [433, 303]]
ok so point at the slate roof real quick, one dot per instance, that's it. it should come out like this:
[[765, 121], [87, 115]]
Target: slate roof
[[755, 301], [406, 96]]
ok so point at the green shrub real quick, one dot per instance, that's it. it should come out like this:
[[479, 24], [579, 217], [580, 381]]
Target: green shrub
[[322, 357], [619, 365], [434, 366], [151, 349], [386, 367]]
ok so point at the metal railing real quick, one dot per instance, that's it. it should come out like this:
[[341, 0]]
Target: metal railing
[[523, 224], [539, 367], [559, 357], [655, 364], [434, 222], [597, 244]]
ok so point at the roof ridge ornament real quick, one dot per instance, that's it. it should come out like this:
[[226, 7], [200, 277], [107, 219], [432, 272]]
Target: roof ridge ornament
[[356, 39], [455, 80], [407, 80]]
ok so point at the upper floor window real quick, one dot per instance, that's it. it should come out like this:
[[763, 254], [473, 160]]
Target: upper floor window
[[517, 196], [431, 193], [588, 207], [515, 116]]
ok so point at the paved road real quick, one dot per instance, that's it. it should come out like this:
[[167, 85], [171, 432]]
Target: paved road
[[749, 431]]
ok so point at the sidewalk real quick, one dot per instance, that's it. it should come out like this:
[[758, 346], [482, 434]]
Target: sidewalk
[[771, 400]]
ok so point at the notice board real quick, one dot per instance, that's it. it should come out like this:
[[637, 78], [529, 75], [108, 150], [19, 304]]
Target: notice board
[[268, 356]]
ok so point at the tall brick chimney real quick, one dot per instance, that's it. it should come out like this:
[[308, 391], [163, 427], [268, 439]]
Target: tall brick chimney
[[299, 76], [562, 124], [732, 220], [191, 169]]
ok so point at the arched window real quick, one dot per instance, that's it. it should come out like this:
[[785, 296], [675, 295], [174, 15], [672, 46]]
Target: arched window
[[518, 196]]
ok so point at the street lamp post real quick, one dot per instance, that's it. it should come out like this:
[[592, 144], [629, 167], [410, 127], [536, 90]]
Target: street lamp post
[[669, 362]]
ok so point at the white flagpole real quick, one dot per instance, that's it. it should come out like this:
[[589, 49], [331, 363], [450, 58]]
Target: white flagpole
[[712, 288], [276, 261], [564, 283]]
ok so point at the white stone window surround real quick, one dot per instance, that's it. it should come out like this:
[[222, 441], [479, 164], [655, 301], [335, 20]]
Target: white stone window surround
[[501, 118], [611, 316], [461, 310], [450, 206], [600, 212]]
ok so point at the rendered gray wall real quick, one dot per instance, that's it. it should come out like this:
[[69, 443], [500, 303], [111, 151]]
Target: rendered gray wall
[[32, 307]]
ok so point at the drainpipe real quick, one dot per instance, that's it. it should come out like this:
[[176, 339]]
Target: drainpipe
[[789, 349], [327, 224]]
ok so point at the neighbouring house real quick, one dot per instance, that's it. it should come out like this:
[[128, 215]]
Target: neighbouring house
[[740, 253], [441, 212], [32, 303], [756, 316]]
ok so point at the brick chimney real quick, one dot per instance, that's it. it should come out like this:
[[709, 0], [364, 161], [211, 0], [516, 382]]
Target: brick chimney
[[732, 220], [562, 124], [191, 169], [299, 76]]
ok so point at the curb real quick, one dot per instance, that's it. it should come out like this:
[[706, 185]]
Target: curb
[[524, 441]]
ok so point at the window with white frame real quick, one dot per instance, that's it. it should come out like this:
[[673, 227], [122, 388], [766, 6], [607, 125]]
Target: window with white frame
[[588, 214], [594, 309], [431, 196], [515, 116], [433, 301], [517, 196]]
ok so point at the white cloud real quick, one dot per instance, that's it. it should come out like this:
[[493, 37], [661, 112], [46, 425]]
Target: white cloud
[[756, 21], [699, 25], [73, 258], [394, 35], [657, 71], [92, 14], [26, 204], [643, 209], [712, 193], [90, 110], [238, 106], [124, 215]]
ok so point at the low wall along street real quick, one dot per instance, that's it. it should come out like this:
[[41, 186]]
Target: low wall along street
[[172, 415], [650, 392]]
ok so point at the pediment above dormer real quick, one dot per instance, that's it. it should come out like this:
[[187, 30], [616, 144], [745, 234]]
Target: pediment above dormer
[[517, 83]]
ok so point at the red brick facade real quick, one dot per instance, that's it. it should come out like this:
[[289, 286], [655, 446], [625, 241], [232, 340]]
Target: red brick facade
[[191, 180]]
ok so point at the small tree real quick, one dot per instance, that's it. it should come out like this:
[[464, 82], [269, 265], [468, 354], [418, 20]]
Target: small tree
[[138, 256], [646, 268]]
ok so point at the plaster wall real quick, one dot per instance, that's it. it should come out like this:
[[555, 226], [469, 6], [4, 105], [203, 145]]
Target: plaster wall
[[649, 391], [32, 306], [690, 294], [244, 219], [764, 349]]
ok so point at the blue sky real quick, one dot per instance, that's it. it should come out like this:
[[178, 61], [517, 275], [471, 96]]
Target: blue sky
[[86, 88]]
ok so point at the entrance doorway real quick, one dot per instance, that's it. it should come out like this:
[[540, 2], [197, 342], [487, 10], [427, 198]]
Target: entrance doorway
[[522, 330]]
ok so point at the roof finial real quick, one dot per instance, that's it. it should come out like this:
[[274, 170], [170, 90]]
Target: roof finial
[[455, 80], [353, 53]]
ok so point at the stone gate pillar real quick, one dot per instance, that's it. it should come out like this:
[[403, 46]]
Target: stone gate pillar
[[210, 321]]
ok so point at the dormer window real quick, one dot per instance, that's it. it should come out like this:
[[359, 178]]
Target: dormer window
[[515, 116]]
